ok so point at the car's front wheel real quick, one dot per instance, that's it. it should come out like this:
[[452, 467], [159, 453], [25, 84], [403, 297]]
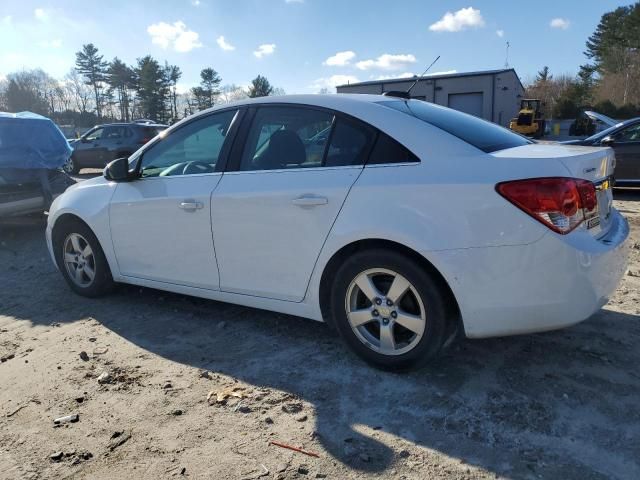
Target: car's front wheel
[[389, 309], [81, 260]]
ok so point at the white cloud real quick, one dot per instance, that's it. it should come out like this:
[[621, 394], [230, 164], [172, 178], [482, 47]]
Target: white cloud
[[174, 35], [196, 3], [265, 49], [56, 43], [223, 44], [7, 20], [2, 77], [462, 19], [40, 14], [340, 59], [333, 81], [387, 61], [500, 33], [294, 1], [442, 72], [561, 23]]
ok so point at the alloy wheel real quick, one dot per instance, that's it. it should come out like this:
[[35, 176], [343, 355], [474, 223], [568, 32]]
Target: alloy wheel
[[68, 166], [79, 260], [385, 311]]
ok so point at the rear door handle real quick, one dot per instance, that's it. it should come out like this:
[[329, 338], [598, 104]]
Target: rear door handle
[[191, 205], [309, 200]]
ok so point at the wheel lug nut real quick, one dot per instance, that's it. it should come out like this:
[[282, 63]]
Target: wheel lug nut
[[389, 303], [394, 315], [385, 321], [378, 301], [375, 313]]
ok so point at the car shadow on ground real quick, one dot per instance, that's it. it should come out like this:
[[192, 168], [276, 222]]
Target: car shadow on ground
[[558, 404]]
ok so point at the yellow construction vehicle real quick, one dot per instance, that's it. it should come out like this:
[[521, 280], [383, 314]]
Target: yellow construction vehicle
[[530, 120]]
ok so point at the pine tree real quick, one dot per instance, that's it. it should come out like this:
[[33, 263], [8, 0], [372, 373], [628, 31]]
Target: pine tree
[[121, 78], [260, 87], [94, 69]]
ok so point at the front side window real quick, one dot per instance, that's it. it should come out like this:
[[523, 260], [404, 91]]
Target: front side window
[[192, 149], [94, 135], [286, 137], [482, 134]]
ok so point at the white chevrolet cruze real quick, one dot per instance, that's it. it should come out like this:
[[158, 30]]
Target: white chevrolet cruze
[[399, 222]]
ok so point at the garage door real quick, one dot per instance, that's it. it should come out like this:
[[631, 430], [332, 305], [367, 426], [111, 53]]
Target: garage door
[[470, 103]]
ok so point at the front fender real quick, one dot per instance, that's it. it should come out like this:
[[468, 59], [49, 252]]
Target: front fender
[[89, 201]]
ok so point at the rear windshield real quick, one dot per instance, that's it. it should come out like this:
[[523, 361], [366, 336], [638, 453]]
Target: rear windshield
[[483, 135]]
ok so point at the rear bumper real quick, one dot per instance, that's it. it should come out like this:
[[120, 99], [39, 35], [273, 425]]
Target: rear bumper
[[553, 283]]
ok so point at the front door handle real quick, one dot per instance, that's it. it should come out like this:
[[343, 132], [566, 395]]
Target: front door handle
[[309, 200], [191, 205]]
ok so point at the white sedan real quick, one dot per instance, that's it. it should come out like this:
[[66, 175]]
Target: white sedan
[[399, 222]]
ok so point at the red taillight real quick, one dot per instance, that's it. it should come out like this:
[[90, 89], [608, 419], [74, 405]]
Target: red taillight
[[560, 203]]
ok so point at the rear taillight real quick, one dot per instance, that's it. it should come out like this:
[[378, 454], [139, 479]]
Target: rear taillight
[[560, 203]]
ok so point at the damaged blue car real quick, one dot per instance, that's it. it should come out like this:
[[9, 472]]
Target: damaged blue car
[[32, 153]]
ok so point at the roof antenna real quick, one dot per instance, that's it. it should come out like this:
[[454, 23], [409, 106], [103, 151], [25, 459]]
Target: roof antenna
[[407, 94]]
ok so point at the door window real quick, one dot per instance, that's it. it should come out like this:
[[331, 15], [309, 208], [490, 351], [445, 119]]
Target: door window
[[94, 135], [286, 137], [193, 149], [350, 143], [629, 134], [114, 133]]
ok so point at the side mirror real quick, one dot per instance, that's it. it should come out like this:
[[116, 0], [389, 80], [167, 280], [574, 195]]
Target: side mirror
[[118, 170], [607, 141]]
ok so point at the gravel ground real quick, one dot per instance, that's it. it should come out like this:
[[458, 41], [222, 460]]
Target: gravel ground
[[169, 386]]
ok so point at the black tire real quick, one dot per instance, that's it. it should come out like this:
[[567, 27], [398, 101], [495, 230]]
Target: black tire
[[430, 293], [102, 282], [71, 166]]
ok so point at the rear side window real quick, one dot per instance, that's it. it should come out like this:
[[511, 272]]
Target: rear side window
[[350, 144], [483, 135], [286, 138], [387, 150]]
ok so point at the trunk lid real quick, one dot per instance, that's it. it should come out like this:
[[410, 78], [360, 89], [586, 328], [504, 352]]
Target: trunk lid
[[595, 164]]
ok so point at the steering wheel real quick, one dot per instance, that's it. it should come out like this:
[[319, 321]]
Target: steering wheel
[[196, 166]]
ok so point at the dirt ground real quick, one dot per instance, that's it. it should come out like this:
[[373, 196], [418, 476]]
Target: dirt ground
[[138, 368]]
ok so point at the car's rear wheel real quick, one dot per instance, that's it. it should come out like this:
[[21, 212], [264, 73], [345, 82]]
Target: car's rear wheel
[[81, 260], [70, 166], [389, 309]]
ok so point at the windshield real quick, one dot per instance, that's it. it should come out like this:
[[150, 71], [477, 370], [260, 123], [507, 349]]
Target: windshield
[[609, 130], [483, 135]]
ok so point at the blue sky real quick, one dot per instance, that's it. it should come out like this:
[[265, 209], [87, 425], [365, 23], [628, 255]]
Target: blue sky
[[295, 43]]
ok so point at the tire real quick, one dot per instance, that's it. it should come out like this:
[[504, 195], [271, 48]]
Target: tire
[[423, 298], [68, 241], [70, 166]]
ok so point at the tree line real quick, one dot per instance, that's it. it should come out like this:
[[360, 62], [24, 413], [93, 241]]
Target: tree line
[[609, 82], [96, 91]]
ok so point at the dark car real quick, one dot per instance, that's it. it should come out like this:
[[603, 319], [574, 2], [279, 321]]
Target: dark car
[[624, 138], [104, 143], [23, 192]]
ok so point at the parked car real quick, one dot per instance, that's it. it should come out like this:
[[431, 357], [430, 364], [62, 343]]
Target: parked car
[[417, 222], [32, 150], [624, 138], [103, 143]]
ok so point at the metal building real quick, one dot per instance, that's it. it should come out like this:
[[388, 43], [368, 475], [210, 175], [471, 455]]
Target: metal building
[[492, 94]]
